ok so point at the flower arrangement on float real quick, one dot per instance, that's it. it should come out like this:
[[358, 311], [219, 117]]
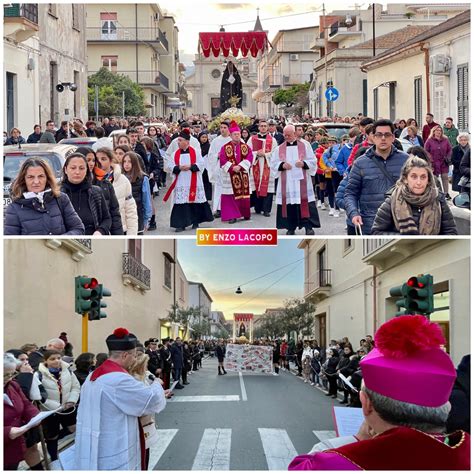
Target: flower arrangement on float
[[232, 113]]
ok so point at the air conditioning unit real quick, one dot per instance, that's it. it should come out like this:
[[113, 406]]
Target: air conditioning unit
[[294, 57], [440, 64]]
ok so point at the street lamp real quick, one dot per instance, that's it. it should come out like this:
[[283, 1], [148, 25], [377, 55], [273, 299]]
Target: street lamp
[[239, 291]]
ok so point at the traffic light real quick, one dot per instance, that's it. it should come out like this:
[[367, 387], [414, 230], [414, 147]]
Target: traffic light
[[86, 291], [95, 313], [420, 294], [417, 295]]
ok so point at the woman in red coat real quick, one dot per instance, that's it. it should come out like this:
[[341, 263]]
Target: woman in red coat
[[17, 411], [440, 150]]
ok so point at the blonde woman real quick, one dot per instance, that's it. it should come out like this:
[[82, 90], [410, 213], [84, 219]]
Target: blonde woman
[[415, 206], [139, 371]]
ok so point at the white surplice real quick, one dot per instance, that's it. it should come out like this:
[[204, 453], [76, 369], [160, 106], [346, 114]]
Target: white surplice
[[181, 190], [107, 433], [214, 170], [293, 191]]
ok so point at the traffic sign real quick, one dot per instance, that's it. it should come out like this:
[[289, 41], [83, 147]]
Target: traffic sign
[[332, 94]]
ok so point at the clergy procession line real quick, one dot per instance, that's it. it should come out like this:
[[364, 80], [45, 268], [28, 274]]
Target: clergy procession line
[[110, 187], [412, 400]]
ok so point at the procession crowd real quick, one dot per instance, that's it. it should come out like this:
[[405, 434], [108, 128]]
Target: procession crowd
[[405, 382], [111, 186], [51, 378]]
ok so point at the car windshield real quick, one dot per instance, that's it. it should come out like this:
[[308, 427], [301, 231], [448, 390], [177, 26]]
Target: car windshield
[[12, 164]]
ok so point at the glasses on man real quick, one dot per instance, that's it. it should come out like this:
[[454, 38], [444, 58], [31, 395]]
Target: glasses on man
[[383, 135]]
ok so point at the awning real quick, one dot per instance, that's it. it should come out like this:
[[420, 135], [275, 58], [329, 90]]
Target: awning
[[224, 43]]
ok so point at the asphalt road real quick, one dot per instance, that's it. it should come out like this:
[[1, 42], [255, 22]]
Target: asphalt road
[[329, 225], [256, 422]]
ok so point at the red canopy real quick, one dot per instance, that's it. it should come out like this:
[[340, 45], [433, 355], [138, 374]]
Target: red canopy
[[224, 43]]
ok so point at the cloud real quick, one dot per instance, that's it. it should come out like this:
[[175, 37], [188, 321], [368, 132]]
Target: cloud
[[234, 6], [285, 9]]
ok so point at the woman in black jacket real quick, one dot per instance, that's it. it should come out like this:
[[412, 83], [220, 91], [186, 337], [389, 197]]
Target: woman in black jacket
[[88, 200], [457, 155], [465, 168], [331, 373], [347, 365], [415, 206], [108, 190], [84, 365]]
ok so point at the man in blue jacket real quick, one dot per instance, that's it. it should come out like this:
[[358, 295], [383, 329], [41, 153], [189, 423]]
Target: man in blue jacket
[[372, 175]]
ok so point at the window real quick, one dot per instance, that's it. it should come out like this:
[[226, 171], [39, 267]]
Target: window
[[392, 101], [108, 26], [348, 246], [364, 97], [439, 105], [54, 106], [109, 62], [418, 99], [52, 9], [167, 272], [11, 80], [135, 249], [75, 17], [463, 95], [322, 270], [77, 111], [216, 73]]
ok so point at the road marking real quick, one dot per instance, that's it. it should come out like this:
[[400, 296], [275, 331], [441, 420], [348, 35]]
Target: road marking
[[279, 449], [324, 435], [157, 449], [206, 398], [214, 451], [242, 387]]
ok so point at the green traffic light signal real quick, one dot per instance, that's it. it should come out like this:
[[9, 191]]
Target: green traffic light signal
[[85, 290]]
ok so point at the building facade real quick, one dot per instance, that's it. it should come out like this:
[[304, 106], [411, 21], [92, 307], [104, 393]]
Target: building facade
[[289, 62], [432, 68], [140, 41], [143, 276], [44, 45], [349, 282], [345, 40]]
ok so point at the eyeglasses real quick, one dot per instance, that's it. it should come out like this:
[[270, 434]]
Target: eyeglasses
[[383, 135]]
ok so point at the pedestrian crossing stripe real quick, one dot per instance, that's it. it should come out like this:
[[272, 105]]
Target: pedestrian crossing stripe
[[214, 450]]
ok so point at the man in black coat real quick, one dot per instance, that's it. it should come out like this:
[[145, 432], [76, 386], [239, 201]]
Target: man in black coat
[[220, 354], [165, 355], [177, 359], [155, 364], [460, 415], [272, 128]]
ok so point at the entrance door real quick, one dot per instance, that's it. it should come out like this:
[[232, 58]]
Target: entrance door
[[321, 336]]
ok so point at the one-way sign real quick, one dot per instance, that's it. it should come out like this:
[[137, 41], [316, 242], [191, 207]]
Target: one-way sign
[[331, 94]]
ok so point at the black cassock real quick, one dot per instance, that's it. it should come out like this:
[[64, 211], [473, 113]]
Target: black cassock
[[228, 90]]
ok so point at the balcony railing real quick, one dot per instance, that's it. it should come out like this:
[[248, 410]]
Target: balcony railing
[[372, 245], [126, 34], [319, 284], [22, 10], [134, 272], [144, 77], [87, 243]]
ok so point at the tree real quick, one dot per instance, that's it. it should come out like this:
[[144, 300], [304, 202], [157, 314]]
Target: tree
[[200, 329], [111, 87], [183, 316], [298, 315], [296, 96]]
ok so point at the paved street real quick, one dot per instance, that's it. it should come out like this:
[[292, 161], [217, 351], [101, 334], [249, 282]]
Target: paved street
[[255, 422], [329, 225]]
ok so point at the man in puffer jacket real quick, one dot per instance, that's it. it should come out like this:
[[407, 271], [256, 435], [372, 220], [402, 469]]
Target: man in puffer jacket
[[372, 176]]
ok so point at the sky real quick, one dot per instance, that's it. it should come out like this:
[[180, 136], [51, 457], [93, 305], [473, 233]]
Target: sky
[[205, 16], [223, 269]]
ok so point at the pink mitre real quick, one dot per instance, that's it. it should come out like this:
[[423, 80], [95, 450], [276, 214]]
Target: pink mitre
[[408, 363]]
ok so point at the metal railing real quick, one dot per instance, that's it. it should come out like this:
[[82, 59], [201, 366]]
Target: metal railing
[[97, 33], [22, 10], [143, 77], [323, 278], [131, 267], [334, 28], [85, 243], [372, 245]]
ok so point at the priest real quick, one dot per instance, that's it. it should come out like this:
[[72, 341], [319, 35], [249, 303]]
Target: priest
[[213, 166], [294, 163], [262, 178], [407, 382], [235, 159], [108, 431], [190, 206]]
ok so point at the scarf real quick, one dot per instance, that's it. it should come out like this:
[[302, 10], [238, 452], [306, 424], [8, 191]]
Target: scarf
[[39, 196], [403, 200], [103, 175]]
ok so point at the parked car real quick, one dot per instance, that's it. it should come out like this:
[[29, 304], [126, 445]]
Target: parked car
[[335, 129], [14, 156], [78, 141]]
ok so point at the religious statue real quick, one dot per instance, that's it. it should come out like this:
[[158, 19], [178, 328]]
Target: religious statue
[[242, 329], [231, 88]]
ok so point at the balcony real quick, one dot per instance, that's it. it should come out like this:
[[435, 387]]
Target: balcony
[[135, 274], [319, 285], [78, 248], [338, 31], [20, 21], [153, 79], [154, 36], [384, 253]]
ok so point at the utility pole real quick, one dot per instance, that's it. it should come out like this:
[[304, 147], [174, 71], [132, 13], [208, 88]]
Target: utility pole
[[325, 55], [373, 29]]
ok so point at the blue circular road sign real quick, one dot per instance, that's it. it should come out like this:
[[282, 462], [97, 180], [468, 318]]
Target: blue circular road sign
[[331, 94]]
